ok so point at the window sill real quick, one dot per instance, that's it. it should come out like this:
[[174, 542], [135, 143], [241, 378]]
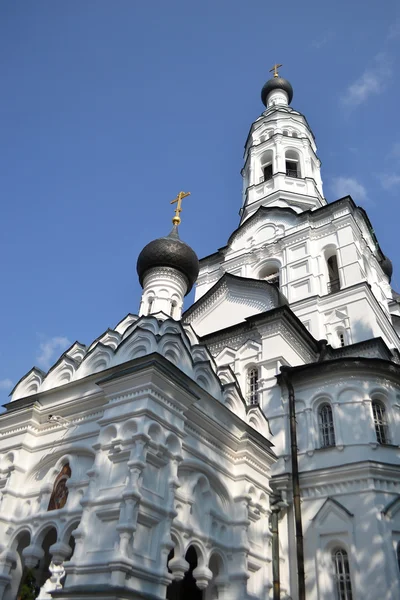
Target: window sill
[[338, 447], [376, 445]]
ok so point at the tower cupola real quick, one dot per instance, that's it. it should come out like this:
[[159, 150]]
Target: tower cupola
[[281, 166], [276, 91], [167, 269]]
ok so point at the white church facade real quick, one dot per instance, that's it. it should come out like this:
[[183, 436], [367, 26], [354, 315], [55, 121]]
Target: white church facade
[[246, 448]]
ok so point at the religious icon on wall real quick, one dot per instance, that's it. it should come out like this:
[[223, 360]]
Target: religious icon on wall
[[59, 494]]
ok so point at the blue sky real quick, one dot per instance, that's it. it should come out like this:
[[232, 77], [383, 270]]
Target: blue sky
[[109, 107]]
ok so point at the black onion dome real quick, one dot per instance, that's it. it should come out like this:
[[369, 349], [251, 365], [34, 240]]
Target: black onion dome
[[387, 267], [171, 252], [276, 83]]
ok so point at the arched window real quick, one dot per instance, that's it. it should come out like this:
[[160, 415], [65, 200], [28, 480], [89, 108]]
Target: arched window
[[380, 422], [326, 426], [341, 337], [333, 274], [173, 306], [285, 132], [59, 494], [270, 273], [252, 385], [266, 166], [292, 164], [342, 574], [150, 304], [294, 134]]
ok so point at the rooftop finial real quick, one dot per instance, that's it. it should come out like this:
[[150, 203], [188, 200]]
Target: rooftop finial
[[275, 70], [176, 218]]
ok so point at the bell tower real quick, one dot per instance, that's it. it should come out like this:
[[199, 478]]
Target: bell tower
[[281, 166]]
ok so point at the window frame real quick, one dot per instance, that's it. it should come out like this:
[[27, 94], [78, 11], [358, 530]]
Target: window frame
[[267, 166], [293, 156], [381, 422], [333, 283], [343, 575], [326, 430], [150, 304], [341, 336], [252, 387]]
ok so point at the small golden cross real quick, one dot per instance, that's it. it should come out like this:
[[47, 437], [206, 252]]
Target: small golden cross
[[275, 70], [176, 219]]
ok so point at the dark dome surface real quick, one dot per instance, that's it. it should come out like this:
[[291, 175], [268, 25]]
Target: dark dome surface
[[387, 267], [171, 252], [276, 83]]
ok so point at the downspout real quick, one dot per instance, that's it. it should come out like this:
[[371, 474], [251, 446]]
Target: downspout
[[285, 372], [276, 582]]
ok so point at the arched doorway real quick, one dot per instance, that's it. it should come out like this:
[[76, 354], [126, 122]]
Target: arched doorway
[[19, 572], [47, 574], [186, 589]]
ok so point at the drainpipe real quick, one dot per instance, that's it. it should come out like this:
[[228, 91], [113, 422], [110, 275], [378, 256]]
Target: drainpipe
[[322, 349], [275, 510], [285, 372]]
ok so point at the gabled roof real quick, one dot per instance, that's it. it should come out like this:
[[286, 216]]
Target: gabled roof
[[336, 504], [270, 292], [251, 323]]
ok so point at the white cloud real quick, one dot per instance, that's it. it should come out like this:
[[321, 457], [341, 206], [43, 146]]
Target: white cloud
[[50, 349], [349, 186], [6, 384], [372, 81], [390, 181]]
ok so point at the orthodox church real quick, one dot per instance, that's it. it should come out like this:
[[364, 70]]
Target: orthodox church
[[246, 448]]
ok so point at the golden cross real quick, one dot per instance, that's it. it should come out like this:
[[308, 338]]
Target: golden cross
[[275, 70], [176, 219]]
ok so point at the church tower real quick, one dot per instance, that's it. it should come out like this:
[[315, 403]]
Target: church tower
[[281, 166], [316, 254]]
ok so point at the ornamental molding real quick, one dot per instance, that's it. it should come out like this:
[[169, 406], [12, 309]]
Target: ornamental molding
[[234, 342], [142, 392], [165, 272], [238, 292], [145, 336], [257, 333], [339, 381], [356, 486], [198, 433], [206, 304]]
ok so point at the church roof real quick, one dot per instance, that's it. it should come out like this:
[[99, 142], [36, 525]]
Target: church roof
[[169, 251], [276, 298], [338, 365], [276, 83], [311, 216]]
